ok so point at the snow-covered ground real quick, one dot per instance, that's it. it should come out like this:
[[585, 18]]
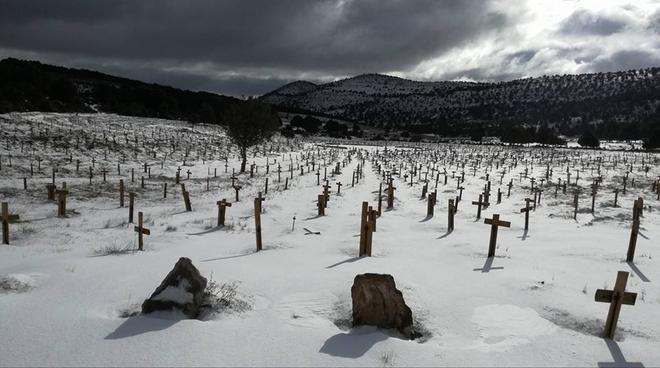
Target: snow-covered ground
[[64, 300]]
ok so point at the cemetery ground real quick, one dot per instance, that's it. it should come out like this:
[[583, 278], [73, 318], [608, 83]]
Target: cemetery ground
[[71, 285]]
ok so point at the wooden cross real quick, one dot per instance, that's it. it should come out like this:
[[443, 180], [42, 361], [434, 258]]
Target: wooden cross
[[61, 201], [188, 173], [6, 219], [104, 171], [339, 184], [141, 230], [257, 219], [616, 298], [479, 204], [495, 222], [222, 208], [526, 211]]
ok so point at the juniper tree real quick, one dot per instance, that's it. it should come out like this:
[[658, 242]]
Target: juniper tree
[[250, 123]]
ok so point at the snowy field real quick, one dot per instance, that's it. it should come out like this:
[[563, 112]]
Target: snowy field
[[71, 287]]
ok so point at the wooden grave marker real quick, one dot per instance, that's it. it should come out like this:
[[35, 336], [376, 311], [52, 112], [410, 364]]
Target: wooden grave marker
[[495, 222], [222, 208], [61, 200], [257, 220], [6, 219], [141, 230], [616, 297]]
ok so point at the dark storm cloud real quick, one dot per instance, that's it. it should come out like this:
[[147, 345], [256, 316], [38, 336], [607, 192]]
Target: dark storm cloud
[[583, 22], [335, 37], [654, 24], [232, 85], [625, 60]]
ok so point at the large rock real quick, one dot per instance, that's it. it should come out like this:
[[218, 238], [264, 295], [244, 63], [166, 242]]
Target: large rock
[[377, 302], [182, 289]]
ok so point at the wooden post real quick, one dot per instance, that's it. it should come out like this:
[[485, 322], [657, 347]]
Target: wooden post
[[186, 198], [451, 211], [390, 195], [61, 201], [164, 190], [575, 205], [141, 230], [431, 203], [363, 230], [51, 191], [616, 297], [237, 188], [121, 193], [131, 206], [321, 205], [222, 208], [257, 220], [634, 231], [6, 219], [495, 222]]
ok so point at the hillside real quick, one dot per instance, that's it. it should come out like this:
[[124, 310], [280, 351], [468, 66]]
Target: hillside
[[558, 101], [33, 86]]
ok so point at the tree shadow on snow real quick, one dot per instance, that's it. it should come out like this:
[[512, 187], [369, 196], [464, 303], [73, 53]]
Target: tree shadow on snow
[[141, 324], [353, 344], [617, 355]]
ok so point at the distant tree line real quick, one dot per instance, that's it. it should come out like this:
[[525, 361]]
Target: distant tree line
[[309, 125], [33, 86]]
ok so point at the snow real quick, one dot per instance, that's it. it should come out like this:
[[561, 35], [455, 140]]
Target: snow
[[532, 305], [178, 294]]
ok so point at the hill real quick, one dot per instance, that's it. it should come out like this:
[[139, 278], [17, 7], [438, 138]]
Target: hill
[[617, 104], [33, 86]]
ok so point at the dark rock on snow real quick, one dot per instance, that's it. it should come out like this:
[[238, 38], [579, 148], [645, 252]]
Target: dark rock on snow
[[182, 289], [377, 302]]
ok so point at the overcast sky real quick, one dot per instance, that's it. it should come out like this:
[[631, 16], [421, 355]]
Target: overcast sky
[[248, 47]]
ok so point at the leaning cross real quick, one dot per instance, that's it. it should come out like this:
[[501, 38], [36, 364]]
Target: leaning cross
[[616, 298], [6, 219], [494, 222]]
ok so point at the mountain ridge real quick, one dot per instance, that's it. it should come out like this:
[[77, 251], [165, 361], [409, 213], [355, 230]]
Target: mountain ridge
[[631, 96]]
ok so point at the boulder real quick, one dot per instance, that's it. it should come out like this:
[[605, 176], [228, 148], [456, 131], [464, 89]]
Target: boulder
[[377, 302], [182, 289]]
